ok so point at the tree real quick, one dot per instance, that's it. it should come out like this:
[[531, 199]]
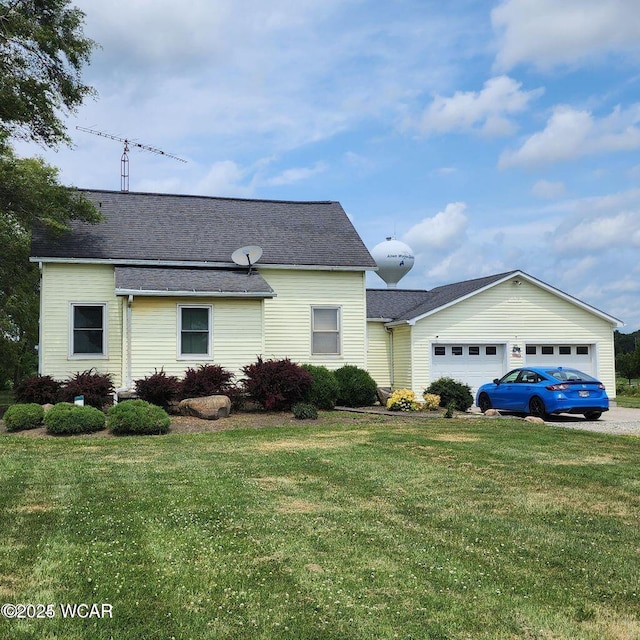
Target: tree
[[29, 194], [42, 52]]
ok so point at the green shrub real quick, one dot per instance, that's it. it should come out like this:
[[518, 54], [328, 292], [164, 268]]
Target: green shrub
[[137, 417], [19, 417], [159, 388], [356, 388], [38, 389], [452, 392], [69, 419], [97, 388], [304, 411], [323, 391], [276, 384]]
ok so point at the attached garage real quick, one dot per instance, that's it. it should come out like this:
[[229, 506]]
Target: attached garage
[[477, 330]]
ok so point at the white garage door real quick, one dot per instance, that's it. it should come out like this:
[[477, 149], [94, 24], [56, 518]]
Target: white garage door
[[474, 364], [561, 355]]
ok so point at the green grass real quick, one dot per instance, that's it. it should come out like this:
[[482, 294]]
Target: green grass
[[358, 527]]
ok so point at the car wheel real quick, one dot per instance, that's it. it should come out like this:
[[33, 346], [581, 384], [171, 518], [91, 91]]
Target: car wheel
[[537, 408], [592, 415], [484, 402]]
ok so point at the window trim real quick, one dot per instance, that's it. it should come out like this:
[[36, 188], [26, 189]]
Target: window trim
[[338, 331], [195, 356], [87, 356]]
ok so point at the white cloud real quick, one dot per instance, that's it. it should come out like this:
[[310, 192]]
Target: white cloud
[[443, 231], [572, 133], [224, 178], [290, 176], [548, 190], [597, 232], [546, 33], [483, 111]]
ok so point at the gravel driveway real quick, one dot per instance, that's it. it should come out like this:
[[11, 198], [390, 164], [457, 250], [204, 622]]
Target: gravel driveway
[[617, 421]]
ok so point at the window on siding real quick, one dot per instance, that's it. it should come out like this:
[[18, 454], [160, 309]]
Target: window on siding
[[582, 350], [195, 331], [456, 351], [564, 351], [491, 351], [88, 335], [439, 351], [474, 351], [325, 330], [531, 350], [547, 351]]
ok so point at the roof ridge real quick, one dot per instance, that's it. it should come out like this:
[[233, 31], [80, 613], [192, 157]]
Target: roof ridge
[[205, 197]]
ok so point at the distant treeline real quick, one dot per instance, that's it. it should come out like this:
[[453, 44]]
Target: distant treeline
[[625, 342]]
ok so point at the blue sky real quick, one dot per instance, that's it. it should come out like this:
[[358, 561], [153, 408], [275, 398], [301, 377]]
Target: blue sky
[[487, 135]]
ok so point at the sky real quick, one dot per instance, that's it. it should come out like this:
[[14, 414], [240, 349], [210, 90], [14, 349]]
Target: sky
[[488, 135]]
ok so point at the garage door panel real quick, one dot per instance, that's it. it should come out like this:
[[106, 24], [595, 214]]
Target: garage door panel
[[559, 355], [472, 364]]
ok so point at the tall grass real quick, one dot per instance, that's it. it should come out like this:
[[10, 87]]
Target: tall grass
[[360, 527]]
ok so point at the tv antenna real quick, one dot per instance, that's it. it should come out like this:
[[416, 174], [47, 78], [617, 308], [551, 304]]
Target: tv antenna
[[247, 256], [124, 160]]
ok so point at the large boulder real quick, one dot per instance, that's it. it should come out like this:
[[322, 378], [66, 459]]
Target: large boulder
[[206, 408]]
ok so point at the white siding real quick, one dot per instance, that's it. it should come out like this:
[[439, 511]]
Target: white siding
[[287, 317]]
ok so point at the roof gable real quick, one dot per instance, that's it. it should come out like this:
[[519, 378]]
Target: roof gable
[[177, 229], [445, 296]]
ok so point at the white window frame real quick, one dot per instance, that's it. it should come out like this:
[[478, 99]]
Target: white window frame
[[195, 356], [87, 356], [338, 331]]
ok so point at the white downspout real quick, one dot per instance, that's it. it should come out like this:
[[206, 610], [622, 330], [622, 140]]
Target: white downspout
[[127, 382]]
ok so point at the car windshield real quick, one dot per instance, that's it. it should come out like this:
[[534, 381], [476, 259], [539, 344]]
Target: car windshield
[[570, 375]]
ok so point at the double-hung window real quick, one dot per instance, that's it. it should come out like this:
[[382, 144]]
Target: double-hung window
[[325, 330], [194, 331], [88, 337]]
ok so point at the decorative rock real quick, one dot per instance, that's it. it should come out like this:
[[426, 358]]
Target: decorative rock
[[383, 393], [47, 406], [491, 412], [534, 420], [206, 408]]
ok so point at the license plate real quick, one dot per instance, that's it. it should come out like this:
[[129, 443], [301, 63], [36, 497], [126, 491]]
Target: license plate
[[583, 394]]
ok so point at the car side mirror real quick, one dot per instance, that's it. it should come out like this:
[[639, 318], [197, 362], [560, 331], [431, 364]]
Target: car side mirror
[[496, 381]]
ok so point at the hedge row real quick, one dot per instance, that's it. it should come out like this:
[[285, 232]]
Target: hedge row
[[273, 384], [134, 417]]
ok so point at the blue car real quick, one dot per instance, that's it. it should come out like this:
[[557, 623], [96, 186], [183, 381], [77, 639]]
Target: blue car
[[541, 391]]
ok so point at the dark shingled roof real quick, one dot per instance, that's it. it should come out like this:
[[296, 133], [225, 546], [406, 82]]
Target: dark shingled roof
[[199, 281], [406, 304], [197, 229]]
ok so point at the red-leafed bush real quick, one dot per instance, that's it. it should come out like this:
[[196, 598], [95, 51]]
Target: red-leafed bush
[[276, 384], [159, 388], [38, 389], [208, 380], [97, 388]]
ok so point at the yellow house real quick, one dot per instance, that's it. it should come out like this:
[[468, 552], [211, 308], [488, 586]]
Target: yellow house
[[166, 281], [478, 330], [162, 283]]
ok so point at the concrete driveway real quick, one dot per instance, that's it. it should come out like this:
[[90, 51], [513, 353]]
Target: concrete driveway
[[617, 421]]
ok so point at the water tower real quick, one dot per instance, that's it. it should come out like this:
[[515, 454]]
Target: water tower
[[394, 260]]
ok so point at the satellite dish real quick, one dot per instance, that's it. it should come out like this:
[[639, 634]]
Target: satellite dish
[[247, 256]]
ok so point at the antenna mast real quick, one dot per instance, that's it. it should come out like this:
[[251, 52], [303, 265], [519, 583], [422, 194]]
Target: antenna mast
[[124, 160]]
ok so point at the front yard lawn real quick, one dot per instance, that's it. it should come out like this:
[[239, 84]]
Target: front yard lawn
[[352, 527]]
